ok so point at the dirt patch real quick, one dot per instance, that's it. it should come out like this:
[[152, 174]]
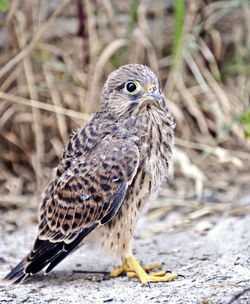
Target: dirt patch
[[212, 254]]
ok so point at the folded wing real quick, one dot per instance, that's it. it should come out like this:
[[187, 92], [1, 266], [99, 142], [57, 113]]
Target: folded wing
[[87, 194]]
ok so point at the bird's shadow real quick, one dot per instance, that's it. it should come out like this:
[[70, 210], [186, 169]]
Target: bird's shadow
[[63, 277]]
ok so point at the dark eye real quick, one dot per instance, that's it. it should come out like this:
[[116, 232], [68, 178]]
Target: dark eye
[[131, 87]]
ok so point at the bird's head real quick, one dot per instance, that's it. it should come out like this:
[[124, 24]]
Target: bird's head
[[132, 89]]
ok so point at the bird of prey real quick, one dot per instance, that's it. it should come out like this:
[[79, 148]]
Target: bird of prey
[[109, 169]]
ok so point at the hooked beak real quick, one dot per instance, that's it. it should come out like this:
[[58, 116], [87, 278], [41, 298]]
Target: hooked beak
[[152, 96]]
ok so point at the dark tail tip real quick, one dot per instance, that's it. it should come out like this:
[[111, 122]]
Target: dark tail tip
[[45, 253], [17, 275]]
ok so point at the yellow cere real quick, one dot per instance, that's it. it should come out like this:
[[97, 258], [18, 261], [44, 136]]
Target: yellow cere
[[150, 88]]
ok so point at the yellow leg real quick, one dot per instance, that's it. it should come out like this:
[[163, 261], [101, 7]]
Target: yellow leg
[[133, 269]]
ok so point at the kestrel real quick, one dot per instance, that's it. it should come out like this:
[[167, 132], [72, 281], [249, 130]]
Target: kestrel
[[109, 169]]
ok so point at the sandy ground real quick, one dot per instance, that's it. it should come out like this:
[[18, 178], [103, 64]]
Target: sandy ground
[[215, 266]]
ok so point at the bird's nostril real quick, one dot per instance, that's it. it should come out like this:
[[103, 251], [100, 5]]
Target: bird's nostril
[[152, 89]]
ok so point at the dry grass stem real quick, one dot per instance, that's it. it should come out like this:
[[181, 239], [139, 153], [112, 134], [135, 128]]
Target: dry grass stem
[[34, 41], [55, 58], [44, 106]]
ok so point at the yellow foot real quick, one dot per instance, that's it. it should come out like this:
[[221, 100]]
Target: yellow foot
[[130, 272], [133, 269]]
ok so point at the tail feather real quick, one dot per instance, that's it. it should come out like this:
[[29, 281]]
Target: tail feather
[[17, 275], [45, 253], [35, 261], [69, 248]]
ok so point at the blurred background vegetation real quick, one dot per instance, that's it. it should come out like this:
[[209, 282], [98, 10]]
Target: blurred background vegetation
[[55, 56]]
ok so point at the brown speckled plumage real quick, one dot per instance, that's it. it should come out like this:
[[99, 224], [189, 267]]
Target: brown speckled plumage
[[109, 170]]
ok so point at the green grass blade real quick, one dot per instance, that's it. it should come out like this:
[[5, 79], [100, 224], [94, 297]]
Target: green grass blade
[[179, 16], [4, 5]]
